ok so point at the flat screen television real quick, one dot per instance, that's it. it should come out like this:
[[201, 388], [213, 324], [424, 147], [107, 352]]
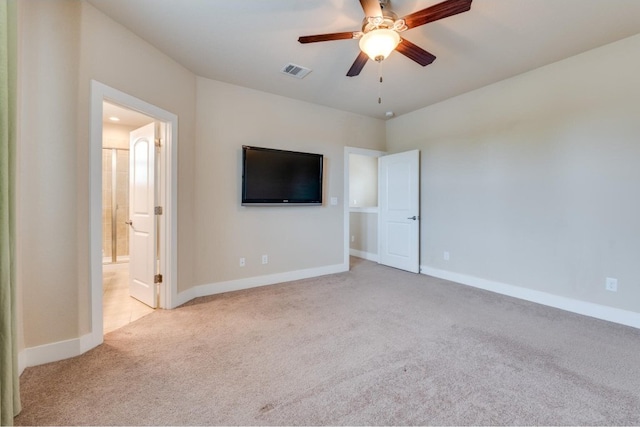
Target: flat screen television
[[273, 177]]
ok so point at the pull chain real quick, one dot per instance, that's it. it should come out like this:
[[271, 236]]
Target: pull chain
[[380, 86]]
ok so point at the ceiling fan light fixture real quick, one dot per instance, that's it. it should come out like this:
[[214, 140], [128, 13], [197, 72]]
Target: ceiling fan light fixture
[[379, 43]]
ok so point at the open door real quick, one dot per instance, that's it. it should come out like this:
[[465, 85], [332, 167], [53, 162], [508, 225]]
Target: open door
[[399, 210], [142, 218]]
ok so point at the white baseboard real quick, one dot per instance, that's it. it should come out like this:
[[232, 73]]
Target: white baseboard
[[365, 255], [74, 347], [53, 352], [616, 315], [254, 282]]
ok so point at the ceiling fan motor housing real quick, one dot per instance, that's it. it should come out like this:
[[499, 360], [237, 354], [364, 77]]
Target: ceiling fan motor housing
[[388, 20]]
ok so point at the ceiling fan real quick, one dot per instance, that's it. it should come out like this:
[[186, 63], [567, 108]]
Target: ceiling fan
[[381, 30]]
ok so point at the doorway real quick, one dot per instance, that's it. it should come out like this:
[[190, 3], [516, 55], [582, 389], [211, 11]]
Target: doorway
[[166, 198], [392, 225], [119, 308], [361, 204]]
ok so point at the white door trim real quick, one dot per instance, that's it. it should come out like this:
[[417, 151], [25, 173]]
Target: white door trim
[[168, 198], [345, 194]]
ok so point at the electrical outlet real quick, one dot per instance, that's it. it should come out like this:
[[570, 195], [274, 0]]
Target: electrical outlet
[[353, 239], [242, 262], [611, 284], [265, 259], [445, 256]]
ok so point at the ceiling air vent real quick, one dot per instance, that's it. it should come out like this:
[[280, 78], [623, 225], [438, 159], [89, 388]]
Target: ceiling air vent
[[295, 70]]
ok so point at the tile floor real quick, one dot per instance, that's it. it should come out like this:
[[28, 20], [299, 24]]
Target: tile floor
[[118, 308]]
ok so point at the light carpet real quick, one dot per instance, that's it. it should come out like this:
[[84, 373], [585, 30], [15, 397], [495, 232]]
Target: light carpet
[[373, 346]]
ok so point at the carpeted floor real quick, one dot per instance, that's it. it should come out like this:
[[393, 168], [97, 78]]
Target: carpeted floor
[[372, 346]]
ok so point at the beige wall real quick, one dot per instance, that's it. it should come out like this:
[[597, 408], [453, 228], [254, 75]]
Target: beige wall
[[363, 204], [363, 181], [533, 181], [63, 45], [48, 177], [363, 230], [115, 135], [294, 238]]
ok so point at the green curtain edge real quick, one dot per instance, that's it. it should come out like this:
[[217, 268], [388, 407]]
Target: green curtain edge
[[9, 385]]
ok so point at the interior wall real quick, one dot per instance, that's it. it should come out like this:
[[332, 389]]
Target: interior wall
[[48, 179], [533, 181], [363, 205], [363, 181], [363, 230], [294, 238], [116, 135], [64, 44]]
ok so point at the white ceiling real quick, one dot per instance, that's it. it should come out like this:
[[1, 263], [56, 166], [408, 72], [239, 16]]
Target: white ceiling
[[248, 42], [125, 116]]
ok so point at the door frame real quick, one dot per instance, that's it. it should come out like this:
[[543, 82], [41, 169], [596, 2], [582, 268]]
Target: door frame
[[167, 197], [345, 197]]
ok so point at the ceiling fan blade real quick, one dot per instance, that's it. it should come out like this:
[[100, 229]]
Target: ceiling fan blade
[[326, 37], [371, 7], [358, 65], [415, 52], [436, 12]]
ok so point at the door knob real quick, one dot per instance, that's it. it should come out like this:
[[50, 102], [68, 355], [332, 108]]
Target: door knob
[[413, 217], [129, 223]]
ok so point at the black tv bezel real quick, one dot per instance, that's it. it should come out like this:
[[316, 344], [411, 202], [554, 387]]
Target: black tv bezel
[[281, 202]]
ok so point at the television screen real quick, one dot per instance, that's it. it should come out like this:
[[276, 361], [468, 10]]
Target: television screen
[[279, 177]]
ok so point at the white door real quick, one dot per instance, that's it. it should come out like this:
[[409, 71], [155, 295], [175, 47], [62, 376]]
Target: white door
[[142, 218], [399, 214]]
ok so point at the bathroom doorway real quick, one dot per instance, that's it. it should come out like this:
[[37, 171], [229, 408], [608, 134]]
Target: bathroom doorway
[[119, 307], [166, 267]]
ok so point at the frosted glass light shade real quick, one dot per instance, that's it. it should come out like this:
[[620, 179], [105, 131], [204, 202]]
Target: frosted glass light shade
[[378, 44]]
